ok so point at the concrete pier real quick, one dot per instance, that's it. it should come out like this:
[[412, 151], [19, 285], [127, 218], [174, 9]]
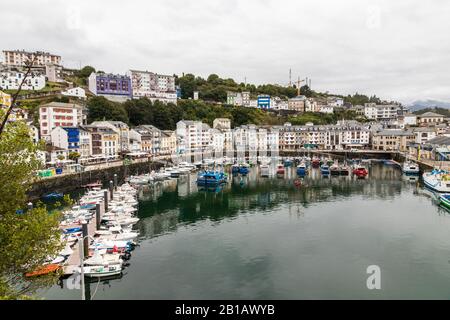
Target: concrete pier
[[73, 262]]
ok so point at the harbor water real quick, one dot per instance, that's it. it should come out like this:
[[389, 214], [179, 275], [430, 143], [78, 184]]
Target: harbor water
[[272, 238]]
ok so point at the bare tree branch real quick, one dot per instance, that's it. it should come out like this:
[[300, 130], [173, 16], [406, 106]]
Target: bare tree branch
[[29, 64]]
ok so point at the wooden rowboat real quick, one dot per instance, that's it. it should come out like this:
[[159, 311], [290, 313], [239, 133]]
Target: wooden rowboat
[[49, 268]]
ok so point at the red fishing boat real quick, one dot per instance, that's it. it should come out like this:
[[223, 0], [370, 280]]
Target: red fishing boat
[[360, 172], [280, 169], [316, 162]]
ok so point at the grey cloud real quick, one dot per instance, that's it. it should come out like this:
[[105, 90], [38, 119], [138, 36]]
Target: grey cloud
[[395, 49]]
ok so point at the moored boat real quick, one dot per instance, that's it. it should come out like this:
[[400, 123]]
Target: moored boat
[[437, 180], [444, 199], [211, 178], [302, 170], [325, 170], [360, 172], [265, 170], [410, 168], [280, 169]]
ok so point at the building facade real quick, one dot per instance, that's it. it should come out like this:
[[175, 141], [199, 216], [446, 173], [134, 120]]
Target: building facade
[[153, 86], [20, 57], [58, 114], [11, 80], [111, 86]]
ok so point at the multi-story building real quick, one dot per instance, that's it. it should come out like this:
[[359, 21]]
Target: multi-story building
[[326, 109], [58, 114], [335, 101], [222, 123], [121, 129], [20, 57], [297, 104], [104, 141], [423, 134], [154, 135], [263, 102], [11, 80], [111, 86], [74, 139], [153, 86], [238, 98], [392, 140], [331, 137], [189, 136], [54, 72], [382, 112], [76, 92], [141, 140], [409, 119], [430, 118], [168, 142]]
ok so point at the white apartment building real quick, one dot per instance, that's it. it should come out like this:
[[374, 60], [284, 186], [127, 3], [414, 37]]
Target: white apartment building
[[326, 109], [423, 134], [58, 114], [153, 86], [238, 98], [189, 136], [11, 80], [381, 112], [77, 92], [331, 137], [19, 57]]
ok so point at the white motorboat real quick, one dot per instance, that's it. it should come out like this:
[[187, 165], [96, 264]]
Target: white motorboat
[[437, 180], [265, 170], [410, 168], [102, 271], [116, 233], [105, 259]]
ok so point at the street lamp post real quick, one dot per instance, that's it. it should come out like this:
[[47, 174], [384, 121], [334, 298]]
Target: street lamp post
[[81, 248]]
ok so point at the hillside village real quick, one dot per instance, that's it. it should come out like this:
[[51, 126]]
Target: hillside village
[[89, 117]]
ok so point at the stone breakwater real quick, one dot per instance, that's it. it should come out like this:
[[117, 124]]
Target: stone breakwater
[[72, 182]]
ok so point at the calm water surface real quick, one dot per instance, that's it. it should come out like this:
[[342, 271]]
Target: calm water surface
[[265, 238]]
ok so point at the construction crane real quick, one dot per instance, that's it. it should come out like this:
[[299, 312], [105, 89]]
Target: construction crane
[[298, 85]]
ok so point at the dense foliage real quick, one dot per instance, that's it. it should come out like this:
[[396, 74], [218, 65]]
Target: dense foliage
[[445, 112], [165, 116], [27, 238], [328, 118], [215, 88]]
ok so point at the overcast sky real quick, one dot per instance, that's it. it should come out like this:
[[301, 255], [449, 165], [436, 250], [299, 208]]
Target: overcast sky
[[399, 50]]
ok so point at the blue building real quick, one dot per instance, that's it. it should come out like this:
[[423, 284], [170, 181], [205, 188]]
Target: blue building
[[73, 138], [178, 89], [263, 102]]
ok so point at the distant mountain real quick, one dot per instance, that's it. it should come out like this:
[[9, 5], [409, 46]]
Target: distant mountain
[[424, 104]]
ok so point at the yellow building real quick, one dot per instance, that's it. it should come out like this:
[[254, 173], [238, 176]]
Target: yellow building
[[5, 99]]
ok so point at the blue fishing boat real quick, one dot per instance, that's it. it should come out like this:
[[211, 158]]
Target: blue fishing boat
[[211, 178], [287, 163], [72, 230], [302, 169], [53, 196], [235, 168], [243, 169], [325, 170]]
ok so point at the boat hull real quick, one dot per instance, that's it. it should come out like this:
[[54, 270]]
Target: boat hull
[[444, 201]]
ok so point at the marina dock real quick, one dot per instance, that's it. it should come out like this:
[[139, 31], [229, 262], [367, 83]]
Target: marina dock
[[73, 261]]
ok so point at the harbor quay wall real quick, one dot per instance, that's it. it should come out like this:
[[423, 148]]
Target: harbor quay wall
[[72, 182]]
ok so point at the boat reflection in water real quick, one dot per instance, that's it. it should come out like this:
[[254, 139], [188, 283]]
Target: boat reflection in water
[[272, 238]]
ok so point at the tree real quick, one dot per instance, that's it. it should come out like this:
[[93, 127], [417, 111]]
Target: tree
[[100, 108], [74, 156], [86, 71], [26, 239]]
